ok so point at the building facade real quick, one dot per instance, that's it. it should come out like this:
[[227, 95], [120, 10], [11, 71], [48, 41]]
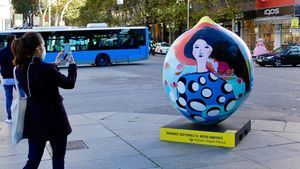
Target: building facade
[[5, 14], [271, 20]]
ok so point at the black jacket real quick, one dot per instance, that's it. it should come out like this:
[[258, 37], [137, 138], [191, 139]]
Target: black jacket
[[6, 58], [45, 113]]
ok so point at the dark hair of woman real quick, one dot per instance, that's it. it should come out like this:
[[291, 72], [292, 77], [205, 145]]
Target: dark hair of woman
[[224, 49], [10, 38], [25, 47]]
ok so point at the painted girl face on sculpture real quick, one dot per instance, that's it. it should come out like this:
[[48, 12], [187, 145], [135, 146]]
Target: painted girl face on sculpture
[[201, 50]]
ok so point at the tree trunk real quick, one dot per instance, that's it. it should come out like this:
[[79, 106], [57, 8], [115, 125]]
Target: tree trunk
[[233, 25], [44, 17], [64, 10]]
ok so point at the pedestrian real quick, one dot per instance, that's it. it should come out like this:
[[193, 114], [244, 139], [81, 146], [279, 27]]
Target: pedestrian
[[6, 59], [259, 48], [45, 116]]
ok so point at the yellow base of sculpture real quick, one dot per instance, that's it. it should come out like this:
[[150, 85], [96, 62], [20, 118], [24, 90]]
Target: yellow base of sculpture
[[225, 134]]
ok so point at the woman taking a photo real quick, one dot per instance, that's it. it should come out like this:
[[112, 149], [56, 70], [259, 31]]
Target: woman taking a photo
[[45, 117]]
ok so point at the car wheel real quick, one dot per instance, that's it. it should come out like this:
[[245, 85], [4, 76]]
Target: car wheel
[[277, 63], [102, 60], [261, 64]]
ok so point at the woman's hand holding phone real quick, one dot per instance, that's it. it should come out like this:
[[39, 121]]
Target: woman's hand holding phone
[[58, 58], [61, 57], [70, 58]]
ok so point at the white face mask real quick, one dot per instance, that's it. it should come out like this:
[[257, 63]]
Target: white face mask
[[44, 53]]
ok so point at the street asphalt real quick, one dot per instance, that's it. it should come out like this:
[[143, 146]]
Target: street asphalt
[[137, 87]]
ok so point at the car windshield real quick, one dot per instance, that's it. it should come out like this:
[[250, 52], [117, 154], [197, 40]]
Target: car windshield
[[281, 49], [165, 45]]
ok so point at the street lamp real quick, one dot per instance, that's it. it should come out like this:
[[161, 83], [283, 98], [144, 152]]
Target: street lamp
[[188, 16]]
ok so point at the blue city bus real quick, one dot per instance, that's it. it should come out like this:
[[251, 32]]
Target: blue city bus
[[96, 46]]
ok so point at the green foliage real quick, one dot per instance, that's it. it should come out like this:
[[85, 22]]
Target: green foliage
[[97, 11], [26, 7], [168, 14], [72, 10]]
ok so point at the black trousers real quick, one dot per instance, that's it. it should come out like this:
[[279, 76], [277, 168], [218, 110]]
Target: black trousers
[[36, 150]]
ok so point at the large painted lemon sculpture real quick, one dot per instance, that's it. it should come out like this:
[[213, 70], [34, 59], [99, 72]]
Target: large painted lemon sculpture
[[208, 73]]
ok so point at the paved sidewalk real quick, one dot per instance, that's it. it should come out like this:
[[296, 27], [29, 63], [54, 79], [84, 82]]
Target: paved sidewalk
[[115, 140]]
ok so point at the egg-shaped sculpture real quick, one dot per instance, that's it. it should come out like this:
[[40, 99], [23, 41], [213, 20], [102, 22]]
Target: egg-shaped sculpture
[[208, 73]]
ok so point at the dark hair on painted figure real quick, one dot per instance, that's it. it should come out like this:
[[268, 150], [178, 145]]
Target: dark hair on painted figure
[[223, 52]]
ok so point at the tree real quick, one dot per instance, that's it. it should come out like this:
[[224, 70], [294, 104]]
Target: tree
[[97, 11], [66, 10], [167, 15], [43, 8], [173, 16], [72, 12], [26, 7]]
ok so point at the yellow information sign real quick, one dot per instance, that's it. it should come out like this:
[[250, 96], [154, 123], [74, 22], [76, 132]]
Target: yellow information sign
[[223, 139], [295, 23]]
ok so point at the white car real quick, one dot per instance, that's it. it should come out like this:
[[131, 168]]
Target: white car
[[162, 48]]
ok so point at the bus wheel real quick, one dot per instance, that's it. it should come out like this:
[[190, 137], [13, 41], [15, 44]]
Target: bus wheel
[[102, 60]]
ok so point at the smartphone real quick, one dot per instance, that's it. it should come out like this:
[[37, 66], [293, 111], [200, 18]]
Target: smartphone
[[66, 50]]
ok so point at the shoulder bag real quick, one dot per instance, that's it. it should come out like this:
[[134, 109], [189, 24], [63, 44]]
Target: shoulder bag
[[18, 109]]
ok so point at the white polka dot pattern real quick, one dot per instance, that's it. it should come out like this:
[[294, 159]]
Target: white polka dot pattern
[[182, 101], [206, 93], [181, 87], [221, 99], [202, 80], [197, 106], [230, 105], [195, 86], [213, 112], [213, 77], [198, 118], [228, 87]]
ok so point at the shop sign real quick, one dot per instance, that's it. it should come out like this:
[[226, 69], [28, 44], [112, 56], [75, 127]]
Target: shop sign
[[295, 23], [280, 11], [272, 11]]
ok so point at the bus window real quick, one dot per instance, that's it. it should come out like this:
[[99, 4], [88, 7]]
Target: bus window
[[2, 44], [55, 43], [92, 44], [78, 43], [139, 37], [115, 39]]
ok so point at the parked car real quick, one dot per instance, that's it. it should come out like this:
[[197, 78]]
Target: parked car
[[286, 55], [162, 48]]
